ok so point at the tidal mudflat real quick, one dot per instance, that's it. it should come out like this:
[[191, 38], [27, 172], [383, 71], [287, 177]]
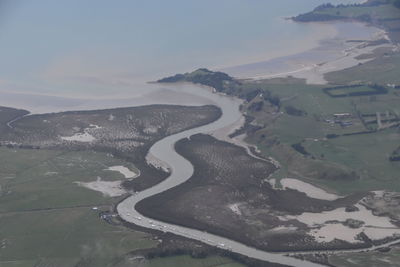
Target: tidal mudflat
[[126, 133], [228, 195]]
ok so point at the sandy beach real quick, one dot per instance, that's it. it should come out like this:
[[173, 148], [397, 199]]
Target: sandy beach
[[337, 53]]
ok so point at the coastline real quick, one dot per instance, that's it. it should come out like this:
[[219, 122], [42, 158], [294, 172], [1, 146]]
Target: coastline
[[38, 103], [161, 228], [331, 54], [297, 65]]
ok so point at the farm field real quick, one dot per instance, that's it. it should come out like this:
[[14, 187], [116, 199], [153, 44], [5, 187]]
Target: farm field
[[344, 91], [294, 160], [65, 237], [382, 70], [48, 220], [389, 259], [302, 127], [343, 164], [43, 179], [367, 155], [173, 261]]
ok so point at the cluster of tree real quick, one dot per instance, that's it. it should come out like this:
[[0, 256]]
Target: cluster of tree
[[318, 13], [376, 2], [311, 16], [301, 149], [173, 79], [324, 6], [20, 146], [395, 155], [166, 252], [275, 100], [215, 79], [377, 90], [256, 106], [359, 133], [248, 96], [295, 111], [367, 3], [247, 127], [222, 82], [266, 96], [329, 6], [272, 99]]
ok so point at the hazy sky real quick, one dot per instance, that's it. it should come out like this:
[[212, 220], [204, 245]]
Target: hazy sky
[[77, 44]]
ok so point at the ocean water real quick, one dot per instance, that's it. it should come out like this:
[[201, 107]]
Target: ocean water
[[101, 49]]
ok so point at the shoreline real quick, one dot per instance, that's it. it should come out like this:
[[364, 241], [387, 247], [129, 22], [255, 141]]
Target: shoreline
[[354, 52], [313, 72], [298, 66], [152, 94]]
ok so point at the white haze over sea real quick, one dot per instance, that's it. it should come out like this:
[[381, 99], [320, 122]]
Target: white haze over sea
[[63, 55]]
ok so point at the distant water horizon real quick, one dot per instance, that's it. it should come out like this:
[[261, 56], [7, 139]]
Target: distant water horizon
[[79, 50]]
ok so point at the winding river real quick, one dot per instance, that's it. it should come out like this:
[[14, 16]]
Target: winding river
[[182, 170]]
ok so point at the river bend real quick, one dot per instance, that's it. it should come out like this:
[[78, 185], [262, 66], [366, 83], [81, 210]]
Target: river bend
[[182, 170]]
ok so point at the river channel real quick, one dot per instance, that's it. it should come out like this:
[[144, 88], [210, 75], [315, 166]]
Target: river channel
[[182, 170]]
